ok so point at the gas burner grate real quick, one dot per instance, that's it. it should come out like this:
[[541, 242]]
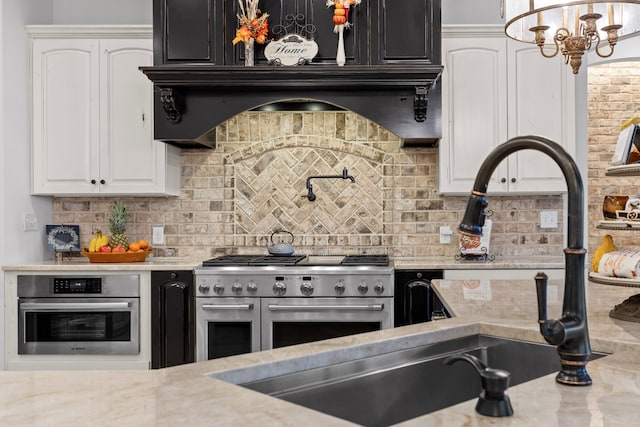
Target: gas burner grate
[[276, 260], [253, 260], [228, 260], [372, 260]]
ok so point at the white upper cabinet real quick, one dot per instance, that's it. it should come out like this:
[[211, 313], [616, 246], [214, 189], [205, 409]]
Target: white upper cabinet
[[495, 89], [92, 114]]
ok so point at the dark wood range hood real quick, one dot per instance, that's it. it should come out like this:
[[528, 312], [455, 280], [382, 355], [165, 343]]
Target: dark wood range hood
[[391, 75]]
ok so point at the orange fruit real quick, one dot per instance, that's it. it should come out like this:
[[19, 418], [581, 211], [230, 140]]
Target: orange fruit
[[134, 247], [143, 244]]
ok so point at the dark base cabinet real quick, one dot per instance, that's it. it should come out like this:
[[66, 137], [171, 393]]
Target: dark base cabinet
[[414, 299], [172, 318]]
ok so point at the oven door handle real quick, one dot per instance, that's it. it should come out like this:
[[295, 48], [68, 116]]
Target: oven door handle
[[93, 306], [327, 307], [227, 306]]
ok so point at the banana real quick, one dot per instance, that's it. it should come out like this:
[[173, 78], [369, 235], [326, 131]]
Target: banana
[[92, 244], [98, 241]]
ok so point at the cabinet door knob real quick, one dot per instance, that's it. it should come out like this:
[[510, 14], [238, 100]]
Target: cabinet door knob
[[513, 180], [93, 181], [503, 180]]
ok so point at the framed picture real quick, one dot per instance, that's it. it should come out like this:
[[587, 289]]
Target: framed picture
[[63, 238], [628, 146]]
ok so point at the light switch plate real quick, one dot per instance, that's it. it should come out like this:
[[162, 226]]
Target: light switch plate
[[158, 235], [445, 235], [30, 221], [549, 219]]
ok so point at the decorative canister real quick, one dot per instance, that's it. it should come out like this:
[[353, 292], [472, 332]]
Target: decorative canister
[[612, 204]]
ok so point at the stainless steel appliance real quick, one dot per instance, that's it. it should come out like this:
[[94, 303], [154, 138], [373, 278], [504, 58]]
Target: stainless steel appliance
[[79, 315], [253, 303]]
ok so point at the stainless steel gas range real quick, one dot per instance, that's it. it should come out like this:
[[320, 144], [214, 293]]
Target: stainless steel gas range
[[253, 303]]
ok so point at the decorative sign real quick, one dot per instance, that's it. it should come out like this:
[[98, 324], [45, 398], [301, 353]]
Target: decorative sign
[[291, 50], [63, 238]]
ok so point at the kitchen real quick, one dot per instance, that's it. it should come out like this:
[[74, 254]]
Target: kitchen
[[414, 234]]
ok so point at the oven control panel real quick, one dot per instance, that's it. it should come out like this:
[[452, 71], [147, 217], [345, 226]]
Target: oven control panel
[[77, 285], [303, 284], [80, 286]]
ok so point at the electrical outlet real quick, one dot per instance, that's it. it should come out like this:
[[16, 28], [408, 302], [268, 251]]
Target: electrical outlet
[[30, 222], [158, 235], [549, 219]]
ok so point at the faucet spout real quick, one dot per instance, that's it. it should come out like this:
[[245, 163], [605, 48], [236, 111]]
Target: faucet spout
[[311, 195], [569, 333]]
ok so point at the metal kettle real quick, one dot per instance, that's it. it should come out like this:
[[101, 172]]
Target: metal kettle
[[281, 248]]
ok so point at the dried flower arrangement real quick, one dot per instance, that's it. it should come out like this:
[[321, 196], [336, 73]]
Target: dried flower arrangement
[[253, 23]]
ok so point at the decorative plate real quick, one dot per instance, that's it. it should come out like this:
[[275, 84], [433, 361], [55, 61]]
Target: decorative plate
[[63, 238]]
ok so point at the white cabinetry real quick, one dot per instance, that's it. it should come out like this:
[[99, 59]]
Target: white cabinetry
[[495, 89], [92, 114]]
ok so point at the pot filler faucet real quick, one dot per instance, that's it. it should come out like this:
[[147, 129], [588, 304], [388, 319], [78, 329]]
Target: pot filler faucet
[[311, 195], [569, 333]]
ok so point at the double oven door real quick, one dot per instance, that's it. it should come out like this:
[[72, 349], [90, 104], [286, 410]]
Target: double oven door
[[226, 327], [231, 326]]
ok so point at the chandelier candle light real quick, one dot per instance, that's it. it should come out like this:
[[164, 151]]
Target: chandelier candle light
[[254, 27], [571, 27], [341, 21]]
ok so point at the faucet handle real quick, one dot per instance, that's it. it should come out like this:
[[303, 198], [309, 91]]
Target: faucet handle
[[552, 330], [541, 290]]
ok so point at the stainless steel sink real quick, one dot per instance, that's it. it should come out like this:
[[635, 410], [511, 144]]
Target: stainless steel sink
[[390, 388]]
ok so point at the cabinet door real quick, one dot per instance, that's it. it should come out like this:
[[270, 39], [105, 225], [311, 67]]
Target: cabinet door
[[401, 34], [65, 116], [541, 102], [474, 105], [130, 160]]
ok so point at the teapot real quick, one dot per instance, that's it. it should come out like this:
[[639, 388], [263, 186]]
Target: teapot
[[281, 248]]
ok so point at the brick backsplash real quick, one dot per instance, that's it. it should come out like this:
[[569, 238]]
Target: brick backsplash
[[614, 98], [253, 183]]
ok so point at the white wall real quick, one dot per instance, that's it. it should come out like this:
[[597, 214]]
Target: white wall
[[102, 11], [471, 12]]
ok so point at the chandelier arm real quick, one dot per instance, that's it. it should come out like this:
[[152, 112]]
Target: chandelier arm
[[611, 48], [549, 55], [541, 45]]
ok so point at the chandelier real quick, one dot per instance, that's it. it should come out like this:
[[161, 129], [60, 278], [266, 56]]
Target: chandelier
[[571, 27]]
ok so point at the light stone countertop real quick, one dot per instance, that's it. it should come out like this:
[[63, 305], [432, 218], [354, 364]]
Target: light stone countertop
[[187, 395], [406, 263]]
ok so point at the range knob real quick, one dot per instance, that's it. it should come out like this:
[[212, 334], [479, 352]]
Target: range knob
[[252, 287], [363, 288], [339, 287], [279, 288], [203, 288], [218, 288], [306, 288], [236, 288], [379, 287]]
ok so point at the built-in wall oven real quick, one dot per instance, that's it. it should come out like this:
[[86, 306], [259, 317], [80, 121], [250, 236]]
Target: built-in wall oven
[[64, 315], [253, 303]]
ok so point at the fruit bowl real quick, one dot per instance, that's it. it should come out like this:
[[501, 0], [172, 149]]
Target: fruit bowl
[[116, 256]]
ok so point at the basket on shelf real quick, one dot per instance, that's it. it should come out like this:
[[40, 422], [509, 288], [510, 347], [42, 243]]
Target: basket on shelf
[[116, 256]]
